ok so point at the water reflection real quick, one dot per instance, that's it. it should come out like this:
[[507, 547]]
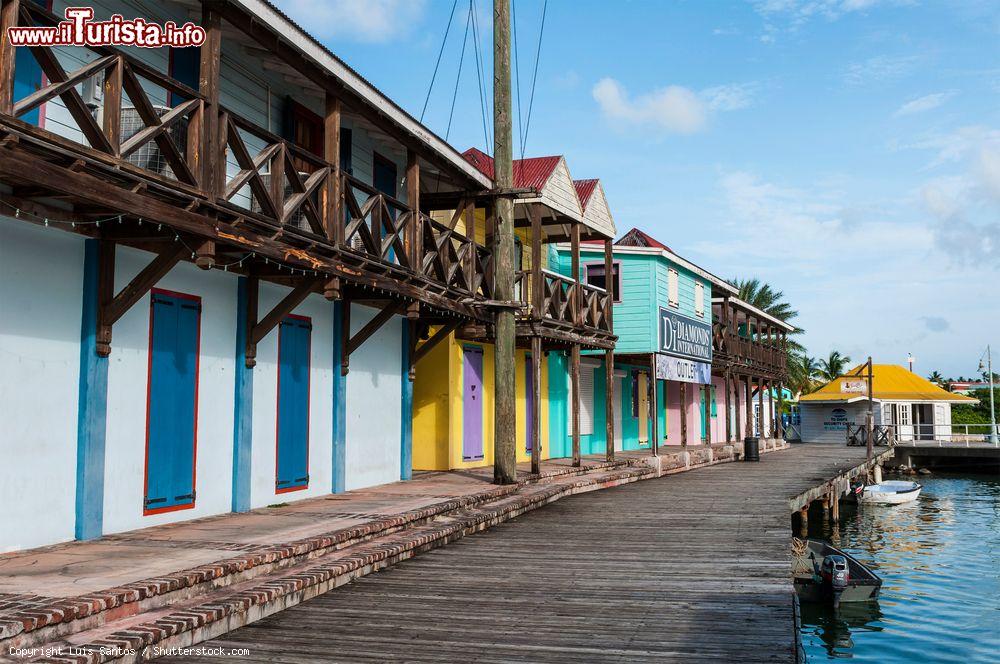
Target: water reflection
[[939, 558]]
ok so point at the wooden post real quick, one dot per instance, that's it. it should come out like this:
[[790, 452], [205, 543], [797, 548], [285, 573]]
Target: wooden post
[[835, 506], [211, 159], [345, 336], [653, 405], [537, 285], [8, 19], [574, 376], [333, 217], [727, 386], [505, 450], [609, 404], [870, 415], [609, 282], [105, 295], [536, 405], [804, 521], [709, 398], [780, 431], [684, 413], [748, 402], [576, 299], [112, 111], [253, 301], [760, 406]]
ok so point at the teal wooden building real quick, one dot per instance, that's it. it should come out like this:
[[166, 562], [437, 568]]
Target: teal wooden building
[[664, 390]]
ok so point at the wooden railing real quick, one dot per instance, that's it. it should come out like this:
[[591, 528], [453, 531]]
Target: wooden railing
[[760, 353], [564, 301], [154, 127]]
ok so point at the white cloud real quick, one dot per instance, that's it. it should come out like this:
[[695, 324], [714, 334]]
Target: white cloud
[[925, 103], [356, 20], [880, 68], [800, 11], [674, 109]]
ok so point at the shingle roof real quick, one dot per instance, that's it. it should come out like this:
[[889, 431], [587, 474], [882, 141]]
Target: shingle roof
[[889, 382], [532, 172]]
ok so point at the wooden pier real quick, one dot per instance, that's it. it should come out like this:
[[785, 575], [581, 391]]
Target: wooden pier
[[691, 567]]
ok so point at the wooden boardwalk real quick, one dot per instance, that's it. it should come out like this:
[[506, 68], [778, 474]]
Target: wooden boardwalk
[[690, 567]]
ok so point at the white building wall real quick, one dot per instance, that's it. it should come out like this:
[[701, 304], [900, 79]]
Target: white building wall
[[128, 371], [374, 396], [265, 403], [41, 284]]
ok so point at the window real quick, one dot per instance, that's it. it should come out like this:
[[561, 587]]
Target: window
[[699, 299], [595, 277], [586, 399], [673, 288], [183, 65]]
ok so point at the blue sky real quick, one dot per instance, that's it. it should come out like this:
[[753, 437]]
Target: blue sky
[[845, 151]]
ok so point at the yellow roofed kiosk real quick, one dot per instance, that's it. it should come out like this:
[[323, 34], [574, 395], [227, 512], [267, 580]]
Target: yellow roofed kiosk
[[917, 408]]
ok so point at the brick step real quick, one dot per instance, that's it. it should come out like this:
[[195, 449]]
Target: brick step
[[206, 609]]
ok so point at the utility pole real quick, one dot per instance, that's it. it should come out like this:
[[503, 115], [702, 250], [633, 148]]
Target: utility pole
[[504, 445]]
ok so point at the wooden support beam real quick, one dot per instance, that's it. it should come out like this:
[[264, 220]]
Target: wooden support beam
[[684, 414], [112, 110], [609, 404], [114, 307], [575, 267], [332, 199], [280, 310], [372, 326], [331, 289], [760, 406], [749, 404], [8, 19], [253, 303], [212, 172], [536, 405], [609, 282], [574, 377], [653, 406], [728, 386], [707, 414], [439, 335], [204, 255], [537, 279], [345, 334]]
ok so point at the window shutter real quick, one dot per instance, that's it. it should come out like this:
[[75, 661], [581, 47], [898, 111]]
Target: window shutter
[[673, 288], [699, 299], [586, 400]]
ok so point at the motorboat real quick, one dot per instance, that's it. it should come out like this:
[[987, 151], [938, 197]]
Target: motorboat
[[824, 573], [892, 492]]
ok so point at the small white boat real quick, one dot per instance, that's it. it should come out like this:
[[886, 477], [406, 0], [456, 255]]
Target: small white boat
[[892, 492]]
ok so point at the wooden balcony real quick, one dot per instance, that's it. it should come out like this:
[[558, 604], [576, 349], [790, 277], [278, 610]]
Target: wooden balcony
[[196, 171], [563, 310], [747, 344]]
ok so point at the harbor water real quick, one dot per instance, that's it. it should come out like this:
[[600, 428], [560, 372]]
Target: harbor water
[[939, 559]]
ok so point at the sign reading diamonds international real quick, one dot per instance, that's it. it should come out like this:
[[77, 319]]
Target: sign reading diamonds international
[[685, 337]]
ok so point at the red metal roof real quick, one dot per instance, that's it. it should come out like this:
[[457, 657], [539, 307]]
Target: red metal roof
[[636, 238], [531, 173], [584, 190]]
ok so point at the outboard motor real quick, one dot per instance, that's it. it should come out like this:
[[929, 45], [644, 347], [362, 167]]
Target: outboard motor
[[836, 575]]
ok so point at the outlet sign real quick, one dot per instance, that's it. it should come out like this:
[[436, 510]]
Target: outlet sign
[[683, 371], [685, 337]]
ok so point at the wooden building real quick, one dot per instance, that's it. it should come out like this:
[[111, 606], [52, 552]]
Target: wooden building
[[217, 264], [907, 406], [558, 316]]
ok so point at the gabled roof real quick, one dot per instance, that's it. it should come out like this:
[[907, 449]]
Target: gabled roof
[[530, 173], [584, 190], [637, 238], [890, 382], [596, 213]]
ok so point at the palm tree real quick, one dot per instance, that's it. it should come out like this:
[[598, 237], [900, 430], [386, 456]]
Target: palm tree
[[802, 373], [936, 377], [771, 301], [833, 366]]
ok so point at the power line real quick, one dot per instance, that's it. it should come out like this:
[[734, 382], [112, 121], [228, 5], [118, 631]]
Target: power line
[[444, 41], [458, 78], [481, 71], [534, 78]]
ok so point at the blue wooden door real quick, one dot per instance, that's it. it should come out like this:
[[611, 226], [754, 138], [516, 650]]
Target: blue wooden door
[[172, 410], [292, 457], [472, 404]]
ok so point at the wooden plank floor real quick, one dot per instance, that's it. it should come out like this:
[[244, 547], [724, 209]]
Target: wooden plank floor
[[690, 567]]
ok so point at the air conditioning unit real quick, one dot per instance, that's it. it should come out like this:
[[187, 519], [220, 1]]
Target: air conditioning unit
[[149, 155], [299, 218]]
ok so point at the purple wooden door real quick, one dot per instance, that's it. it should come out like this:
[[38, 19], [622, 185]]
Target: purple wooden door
[[529, 394], [472, 408]]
